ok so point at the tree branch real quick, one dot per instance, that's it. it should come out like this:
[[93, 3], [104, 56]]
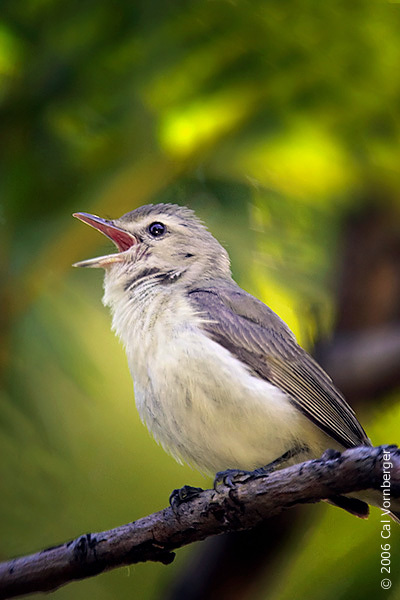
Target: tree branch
[[211, 513]]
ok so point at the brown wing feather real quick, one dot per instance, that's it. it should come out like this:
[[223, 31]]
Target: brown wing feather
[[260, 339]]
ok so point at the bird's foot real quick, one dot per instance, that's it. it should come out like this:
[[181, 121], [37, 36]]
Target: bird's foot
[[331, 454], [231, 477], [183, 494]]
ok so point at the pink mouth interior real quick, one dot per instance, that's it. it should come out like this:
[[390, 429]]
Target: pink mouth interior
[[122, 239]]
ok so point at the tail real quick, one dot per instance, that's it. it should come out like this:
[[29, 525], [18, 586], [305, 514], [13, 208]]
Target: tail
[[359, 507], [374, 498], [395, 516], [354, 506]]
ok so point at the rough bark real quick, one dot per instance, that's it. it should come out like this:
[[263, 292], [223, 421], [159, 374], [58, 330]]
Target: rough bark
[[244, 506]]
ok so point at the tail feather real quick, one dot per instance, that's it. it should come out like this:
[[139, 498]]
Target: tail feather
[[357, 504], [354, 506]]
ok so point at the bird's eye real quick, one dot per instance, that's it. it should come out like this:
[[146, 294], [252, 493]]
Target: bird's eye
[[157, 229]]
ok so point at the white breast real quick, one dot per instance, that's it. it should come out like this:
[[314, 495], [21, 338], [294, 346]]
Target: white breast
[[200, 402]]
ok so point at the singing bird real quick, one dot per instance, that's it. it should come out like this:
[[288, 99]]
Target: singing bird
[[219, 378]]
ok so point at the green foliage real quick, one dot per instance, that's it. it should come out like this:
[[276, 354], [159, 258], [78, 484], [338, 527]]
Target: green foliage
[[274, 120]]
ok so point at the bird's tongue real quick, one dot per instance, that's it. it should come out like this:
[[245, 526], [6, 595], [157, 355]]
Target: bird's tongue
[[122, 239]]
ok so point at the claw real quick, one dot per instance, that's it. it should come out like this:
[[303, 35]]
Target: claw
[[231, 477], [331, 454], [182, 495]]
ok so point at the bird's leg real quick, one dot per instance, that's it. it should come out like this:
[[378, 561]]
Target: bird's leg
[[183, 494], [280, 460], [232, 476]]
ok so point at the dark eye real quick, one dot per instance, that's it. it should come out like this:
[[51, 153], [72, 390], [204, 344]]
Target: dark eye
[[156, 229]]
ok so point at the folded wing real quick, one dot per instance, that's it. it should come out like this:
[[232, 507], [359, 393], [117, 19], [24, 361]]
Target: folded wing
[[254, 334]]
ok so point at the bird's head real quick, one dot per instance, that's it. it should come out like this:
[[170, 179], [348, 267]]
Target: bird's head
[[164, 241]]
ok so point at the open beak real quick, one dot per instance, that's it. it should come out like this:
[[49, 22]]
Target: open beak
[[122, 239]]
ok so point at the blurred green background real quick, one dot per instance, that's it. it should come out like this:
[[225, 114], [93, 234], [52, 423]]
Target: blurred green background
[[279, 123]]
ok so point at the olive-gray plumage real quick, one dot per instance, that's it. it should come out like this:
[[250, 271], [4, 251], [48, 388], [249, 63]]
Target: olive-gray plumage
[[261, 340], [219, 378]]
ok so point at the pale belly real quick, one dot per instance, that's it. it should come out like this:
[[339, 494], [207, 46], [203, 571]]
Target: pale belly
[[206, 409]]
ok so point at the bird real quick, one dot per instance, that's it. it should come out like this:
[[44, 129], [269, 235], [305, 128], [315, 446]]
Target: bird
[[219, 378]]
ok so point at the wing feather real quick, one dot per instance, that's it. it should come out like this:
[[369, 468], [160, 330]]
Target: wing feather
[[260, 339]]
